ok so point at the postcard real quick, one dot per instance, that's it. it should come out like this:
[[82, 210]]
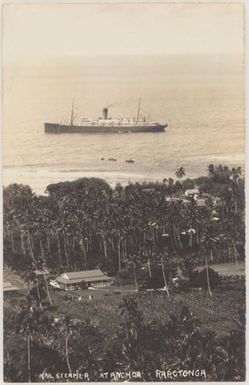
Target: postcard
[[123, 192]]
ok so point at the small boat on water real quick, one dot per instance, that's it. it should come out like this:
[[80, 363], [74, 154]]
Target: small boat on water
[[112, 159], [130, 161]]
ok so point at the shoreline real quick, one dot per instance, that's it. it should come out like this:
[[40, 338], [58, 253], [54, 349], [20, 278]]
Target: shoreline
[[38, 178], [38, 181]]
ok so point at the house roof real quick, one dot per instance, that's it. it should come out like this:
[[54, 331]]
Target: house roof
[[13, 278], [192, 191], [83, 274], [8, 286], [68, 281], [96, 279], [80, 280], [177, 199]]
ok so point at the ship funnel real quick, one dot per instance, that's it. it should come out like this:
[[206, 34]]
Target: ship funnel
[[105, 113]]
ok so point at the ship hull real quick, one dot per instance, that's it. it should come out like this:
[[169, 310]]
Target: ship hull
[[53, 128]]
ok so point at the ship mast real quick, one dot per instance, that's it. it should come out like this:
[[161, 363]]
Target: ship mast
[[138, 111], [72, 114]]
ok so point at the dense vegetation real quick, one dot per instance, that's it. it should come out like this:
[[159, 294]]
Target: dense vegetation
[[38, 342], [144, 232], [84, 224]]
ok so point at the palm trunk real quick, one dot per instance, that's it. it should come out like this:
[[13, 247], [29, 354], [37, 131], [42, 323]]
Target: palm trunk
[[38, 294], [65, 248], [211, 255], [83, 249], [41, 247], [125, 251], [208, 282], [149, 269], [30, 248], [164, 277], [67, 357], [29, 356], [31, 242], [49, 243], [90, 241], [236, 206], [190, 240], [59, 248], [47, 288], [104, 245], [175, 236], [235, 251], [135, 276], [112, 244], [22, 245], [119, 255], [122, 249], [197, 235], [144, 238], [132, 244], [179, 236], [67, 242], [44, 275]]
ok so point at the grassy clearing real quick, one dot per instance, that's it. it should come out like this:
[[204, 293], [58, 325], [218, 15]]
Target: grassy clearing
[[227, 269], [218, 312]]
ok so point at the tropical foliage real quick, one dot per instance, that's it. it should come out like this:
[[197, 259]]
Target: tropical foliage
[[146, 233], [84, 224], [38, 346]]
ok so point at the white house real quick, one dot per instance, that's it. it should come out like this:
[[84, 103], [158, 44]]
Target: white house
[[192, 193], [83, 279]]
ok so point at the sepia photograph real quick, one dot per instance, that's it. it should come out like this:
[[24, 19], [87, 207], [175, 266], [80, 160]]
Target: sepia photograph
[[123, 192]]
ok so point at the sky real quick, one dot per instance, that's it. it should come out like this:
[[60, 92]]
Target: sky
[[38, 33]]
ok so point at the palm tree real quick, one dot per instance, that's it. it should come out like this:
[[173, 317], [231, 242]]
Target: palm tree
[[180, 172], [233, 232], [211, 170], [208, 281], [207, 247], [31, 279], [133, 261], [64, 332], [34, 325]]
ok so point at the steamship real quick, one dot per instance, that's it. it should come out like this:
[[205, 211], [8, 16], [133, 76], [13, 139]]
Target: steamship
[[105, 124]]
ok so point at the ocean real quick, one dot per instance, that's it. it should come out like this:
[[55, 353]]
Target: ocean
[[201, 98]]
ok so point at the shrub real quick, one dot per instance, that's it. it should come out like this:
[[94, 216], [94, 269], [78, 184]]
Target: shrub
[[199, 279]]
